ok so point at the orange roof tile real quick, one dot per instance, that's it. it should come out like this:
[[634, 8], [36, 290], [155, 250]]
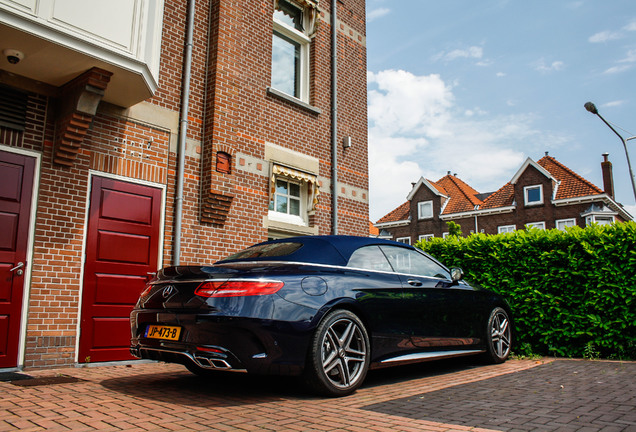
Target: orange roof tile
[[501, 198], [463, 198], [572, 185], [400, 213]]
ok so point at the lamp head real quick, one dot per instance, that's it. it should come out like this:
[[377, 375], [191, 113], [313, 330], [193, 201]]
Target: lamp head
[[591, 107]]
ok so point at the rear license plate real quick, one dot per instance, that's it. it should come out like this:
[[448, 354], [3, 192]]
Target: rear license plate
[[163, 332]]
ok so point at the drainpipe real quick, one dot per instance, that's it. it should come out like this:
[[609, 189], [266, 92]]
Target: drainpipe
[[334, 117], [183, 130]]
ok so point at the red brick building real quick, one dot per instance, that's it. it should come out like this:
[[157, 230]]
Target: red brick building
[[136, 135], [544, 194]]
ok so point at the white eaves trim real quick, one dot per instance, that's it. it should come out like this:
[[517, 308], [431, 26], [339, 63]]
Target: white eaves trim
[[497, 210], [591, 198], [393, 224], [526, 164], [423, 181]]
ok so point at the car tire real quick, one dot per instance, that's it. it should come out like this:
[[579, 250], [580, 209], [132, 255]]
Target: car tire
[[498, 336], [339, 355]]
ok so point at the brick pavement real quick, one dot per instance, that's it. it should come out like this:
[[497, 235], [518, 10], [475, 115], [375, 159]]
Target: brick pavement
[[157, 396]]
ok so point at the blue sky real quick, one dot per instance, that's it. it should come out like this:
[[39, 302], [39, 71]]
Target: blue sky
[[476, 87]]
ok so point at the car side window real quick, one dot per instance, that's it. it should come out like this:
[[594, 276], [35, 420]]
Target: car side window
[[412, 262], [369, 258]]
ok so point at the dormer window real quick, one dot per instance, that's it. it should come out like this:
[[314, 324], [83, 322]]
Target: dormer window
[[425, 209], [533, 195]]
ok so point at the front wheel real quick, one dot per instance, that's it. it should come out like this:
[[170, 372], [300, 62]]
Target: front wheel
[[339, 355], [499, 336]]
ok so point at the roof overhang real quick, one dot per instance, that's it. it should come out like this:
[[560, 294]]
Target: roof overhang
[[484, 212], [392, 224], [593, 198], [530, 162], [423, 181]]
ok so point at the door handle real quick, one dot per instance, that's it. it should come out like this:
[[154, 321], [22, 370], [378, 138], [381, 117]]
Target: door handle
[[414, 282], [18, 269]]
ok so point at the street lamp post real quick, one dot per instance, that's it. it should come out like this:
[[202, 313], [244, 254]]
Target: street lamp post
[[592, 108]]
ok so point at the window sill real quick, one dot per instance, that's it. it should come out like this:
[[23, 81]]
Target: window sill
[[295, 101]]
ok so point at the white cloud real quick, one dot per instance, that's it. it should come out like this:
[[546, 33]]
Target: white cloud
[[377, 13], [470, 52], [617, 69], [542, 67], [415, 129], [604, 36], [631, 26]]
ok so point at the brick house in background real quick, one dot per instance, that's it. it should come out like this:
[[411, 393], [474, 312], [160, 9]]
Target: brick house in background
[[130, 146], [544, 194]]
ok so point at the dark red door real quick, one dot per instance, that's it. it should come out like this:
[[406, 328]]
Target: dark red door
[[122, 247], [16, 188]]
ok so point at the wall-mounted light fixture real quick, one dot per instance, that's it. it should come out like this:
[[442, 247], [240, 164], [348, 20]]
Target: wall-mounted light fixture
[[346, 142]]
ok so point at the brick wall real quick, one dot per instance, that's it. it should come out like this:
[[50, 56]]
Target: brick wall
[[230, 110]]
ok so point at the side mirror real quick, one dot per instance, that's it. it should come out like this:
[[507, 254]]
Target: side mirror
[[457, 274]]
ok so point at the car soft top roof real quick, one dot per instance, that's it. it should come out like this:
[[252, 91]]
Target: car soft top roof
[[330, 249]]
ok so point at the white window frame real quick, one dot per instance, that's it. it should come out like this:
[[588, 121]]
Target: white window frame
[[420, 210], [539, 225], [426, 237], [526, 189], [503, 229], [446, 234], [599, 219], [286, 217], [406, 240], [561, 224], [281, 29]]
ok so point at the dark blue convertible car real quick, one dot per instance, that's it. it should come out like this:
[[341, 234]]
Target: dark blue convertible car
[[326, 307]]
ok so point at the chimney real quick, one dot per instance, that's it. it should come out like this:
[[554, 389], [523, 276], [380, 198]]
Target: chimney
[[608, 178]]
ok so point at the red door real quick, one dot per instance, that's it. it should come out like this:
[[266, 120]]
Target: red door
[[122, 247], [16, 187]]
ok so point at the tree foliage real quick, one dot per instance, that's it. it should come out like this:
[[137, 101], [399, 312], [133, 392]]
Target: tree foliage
[[572, 292]]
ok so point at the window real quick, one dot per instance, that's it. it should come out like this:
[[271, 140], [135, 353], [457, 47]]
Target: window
[[600, 220], [406, 240], [533, 195], [506, 229], [411, 262], [286, 198], [426, 237], [290, 50], [369, 258], [538, 225], [425, 209], [293, 195], [564, 223]]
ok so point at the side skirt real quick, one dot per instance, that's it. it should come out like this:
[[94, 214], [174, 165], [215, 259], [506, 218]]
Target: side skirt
[[423, 356]]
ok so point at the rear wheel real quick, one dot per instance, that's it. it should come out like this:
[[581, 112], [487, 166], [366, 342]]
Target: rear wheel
[[499, 336], [338, 357]]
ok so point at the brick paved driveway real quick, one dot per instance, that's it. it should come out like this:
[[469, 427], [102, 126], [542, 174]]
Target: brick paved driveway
[[440, 396]]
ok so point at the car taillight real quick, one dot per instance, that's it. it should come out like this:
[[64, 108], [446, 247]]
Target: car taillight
[[145, 292], [237, 288]]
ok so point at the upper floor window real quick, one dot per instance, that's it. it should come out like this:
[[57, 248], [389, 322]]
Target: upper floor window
[[406, 240], [290, 50], [425, 209], [427, 237], [533, 195]]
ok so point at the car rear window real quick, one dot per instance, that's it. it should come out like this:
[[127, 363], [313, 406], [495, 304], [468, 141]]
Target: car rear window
[[269, 250]]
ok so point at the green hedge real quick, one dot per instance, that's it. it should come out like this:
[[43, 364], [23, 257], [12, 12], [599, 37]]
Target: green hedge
[[573, 293]]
